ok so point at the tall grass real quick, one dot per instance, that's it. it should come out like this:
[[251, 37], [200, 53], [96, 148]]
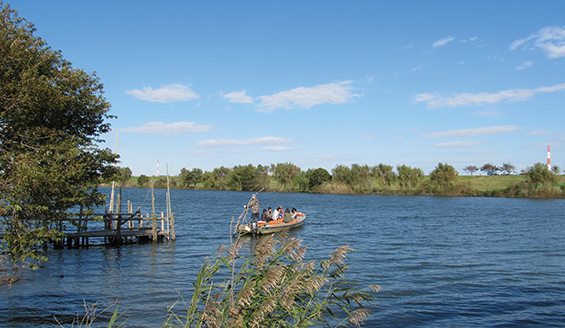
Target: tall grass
[[273, 286]]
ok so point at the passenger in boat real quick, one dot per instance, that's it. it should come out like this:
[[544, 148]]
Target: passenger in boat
[[294, 213], [281, 212], [275, 214], [270, 214], [287, 216], [265, 216]]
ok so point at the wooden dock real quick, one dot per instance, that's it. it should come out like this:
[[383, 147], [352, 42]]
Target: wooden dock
[[116, 229]]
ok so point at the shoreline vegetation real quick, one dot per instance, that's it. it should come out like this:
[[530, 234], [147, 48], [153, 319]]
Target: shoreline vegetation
[[533, 182]]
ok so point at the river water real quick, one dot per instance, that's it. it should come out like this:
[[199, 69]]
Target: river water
[[442, 262]]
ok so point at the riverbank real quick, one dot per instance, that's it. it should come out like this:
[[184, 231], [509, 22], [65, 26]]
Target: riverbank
[[515, 186]]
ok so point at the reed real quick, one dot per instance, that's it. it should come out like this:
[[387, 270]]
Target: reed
[[273, 286], [92, 315]]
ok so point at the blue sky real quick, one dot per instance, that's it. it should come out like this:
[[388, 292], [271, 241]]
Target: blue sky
[[204, 84]]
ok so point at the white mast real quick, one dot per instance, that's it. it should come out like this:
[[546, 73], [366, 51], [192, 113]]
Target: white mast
[[548, 158]]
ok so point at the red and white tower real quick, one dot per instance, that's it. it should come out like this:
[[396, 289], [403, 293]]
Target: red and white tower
[[548, 159], [157, 168]]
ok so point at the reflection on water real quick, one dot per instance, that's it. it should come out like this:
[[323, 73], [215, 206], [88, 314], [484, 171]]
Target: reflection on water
[[442, 262]]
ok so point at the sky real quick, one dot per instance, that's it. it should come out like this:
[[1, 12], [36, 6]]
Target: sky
[[205, 84]]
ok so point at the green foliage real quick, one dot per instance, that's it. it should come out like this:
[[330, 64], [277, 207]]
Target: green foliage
[[245, 178], [143, 180], [284, 173], [190, 178], [52, 116], [123, 174], [274, 287], [443, 177], [363, 177], [385, 174], [301, 181], [262, 177], [489, 168], [311, 179], [216, 179], [344, 174], [379, 179], [317, 177], [408, 177], [539, 177]]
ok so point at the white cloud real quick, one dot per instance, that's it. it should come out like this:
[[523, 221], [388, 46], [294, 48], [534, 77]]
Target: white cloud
[[469, 99], [239, 97], [332, 93], [169, 128], [473, 132], [550, 39], [173, 92], [539, 133], [418, 67], [231, 143], [525, 65], [487, 113], [443, 42], [459, 144]]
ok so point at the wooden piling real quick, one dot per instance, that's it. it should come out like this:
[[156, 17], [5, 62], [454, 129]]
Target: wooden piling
[[172, 235]]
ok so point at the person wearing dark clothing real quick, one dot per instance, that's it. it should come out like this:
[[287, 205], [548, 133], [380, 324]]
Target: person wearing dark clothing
[[264, 216]]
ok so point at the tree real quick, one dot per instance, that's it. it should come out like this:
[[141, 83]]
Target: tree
[[509, 169], [311, 179], [362, 175], [142, 181], [443, 176], [262, 175], [216, 179], [470, 169], [123, 174], [555, 169], [301, 181], [284, 173], [243, 178], [409, 177], [489, 168], [317, 177], [343, 174], [385, 173], [51, 118], [190, 178], [538, 176]]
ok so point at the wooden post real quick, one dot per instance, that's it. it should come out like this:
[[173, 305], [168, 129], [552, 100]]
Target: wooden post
[[153, 216], [172, 233], [154, 227], [119, 221]]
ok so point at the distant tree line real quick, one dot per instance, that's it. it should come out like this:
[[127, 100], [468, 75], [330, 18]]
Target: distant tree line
[[363, 179]]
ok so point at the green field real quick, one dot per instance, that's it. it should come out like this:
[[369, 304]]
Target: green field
[[496, 182]]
